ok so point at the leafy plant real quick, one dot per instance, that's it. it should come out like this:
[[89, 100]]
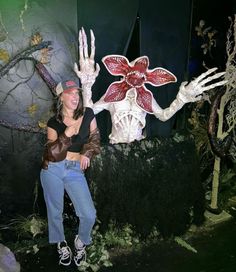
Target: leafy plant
[[226, 109], [184, 244], [207, 34], [124, 237], [98, 253], [199, 131], [26, 226]]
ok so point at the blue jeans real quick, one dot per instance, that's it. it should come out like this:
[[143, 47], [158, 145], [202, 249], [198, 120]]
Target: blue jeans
[[67, 175]]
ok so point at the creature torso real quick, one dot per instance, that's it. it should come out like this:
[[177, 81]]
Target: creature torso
[[128, 120]]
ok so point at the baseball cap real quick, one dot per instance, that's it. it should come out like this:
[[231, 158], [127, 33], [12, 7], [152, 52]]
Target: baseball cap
[[65, 86]]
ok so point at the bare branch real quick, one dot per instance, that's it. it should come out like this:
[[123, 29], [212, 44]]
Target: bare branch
[[22, 127], [22, 55]]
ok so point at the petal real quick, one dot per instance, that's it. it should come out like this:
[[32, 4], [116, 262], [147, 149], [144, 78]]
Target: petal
[[141, 64], [116, 91], [144, 99], [116, 64], [160, 76]]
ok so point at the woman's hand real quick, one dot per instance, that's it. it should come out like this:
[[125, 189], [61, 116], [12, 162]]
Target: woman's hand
[[84, 162]]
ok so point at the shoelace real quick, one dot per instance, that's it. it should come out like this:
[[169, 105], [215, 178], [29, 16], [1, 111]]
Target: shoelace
[[64, 252], [80, 253]]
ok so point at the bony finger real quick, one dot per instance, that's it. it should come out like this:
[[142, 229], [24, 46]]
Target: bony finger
[[223, 82], [206, 80], [220, 74], [212, 86], [92, 36], [198, 98], [80, 36], [183, 84], [97, 68], [208, 72]]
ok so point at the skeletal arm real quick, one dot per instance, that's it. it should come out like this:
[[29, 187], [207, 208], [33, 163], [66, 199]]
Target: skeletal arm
[[87, 70], [189, 92]]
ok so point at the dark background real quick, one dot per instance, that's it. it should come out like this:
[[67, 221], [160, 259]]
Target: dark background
[[162, 30], [157, 29]]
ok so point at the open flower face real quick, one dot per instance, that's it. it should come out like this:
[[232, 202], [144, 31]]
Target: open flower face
[[134, 75]]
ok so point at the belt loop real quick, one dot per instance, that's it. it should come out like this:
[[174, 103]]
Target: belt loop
[[66, 163]]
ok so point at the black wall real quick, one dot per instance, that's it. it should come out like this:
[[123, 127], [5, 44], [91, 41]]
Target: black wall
[[158, 29]]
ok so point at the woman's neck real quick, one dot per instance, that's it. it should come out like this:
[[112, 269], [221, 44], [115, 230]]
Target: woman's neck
[[69, 114]]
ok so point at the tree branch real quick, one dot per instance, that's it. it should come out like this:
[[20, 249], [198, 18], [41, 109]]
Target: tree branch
[[24, 54], [22, 127]]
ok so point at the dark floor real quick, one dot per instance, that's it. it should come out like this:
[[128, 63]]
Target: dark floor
[[216, 252]]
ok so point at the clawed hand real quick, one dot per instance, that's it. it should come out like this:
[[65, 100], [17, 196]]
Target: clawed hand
[[194, 90], [88, 71]]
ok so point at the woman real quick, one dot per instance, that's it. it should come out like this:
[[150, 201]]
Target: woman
[[73, 139]]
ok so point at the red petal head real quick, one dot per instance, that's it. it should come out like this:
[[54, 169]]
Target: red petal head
[[117, 65]]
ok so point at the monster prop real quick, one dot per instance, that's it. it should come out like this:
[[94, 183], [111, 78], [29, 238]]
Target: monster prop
[[128, 100]]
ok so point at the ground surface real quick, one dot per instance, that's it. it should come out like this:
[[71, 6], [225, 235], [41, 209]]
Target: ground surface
[[216, 252]]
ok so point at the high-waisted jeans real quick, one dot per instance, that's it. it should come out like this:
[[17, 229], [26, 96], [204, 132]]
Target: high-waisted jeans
[[67, 175]]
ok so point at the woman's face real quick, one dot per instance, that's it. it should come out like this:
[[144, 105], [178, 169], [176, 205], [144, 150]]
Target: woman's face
[[70, 99]]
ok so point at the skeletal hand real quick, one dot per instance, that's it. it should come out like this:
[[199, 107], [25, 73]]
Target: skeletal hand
[[88, 70], [193, 91]]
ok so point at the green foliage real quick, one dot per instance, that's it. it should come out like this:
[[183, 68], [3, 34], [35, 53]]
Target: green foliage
[[199, 131], [97, 253], [27, 234], [154, 236], [227, 185], [146, 182], [184, 244], [119, 238], [26, 226], [207, 35], [227, 175], [123, 237]]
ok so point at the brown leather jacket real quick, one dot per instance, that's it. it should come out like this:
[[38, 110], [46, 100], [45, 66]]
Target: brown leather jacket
[[57, 150], [92, 148]]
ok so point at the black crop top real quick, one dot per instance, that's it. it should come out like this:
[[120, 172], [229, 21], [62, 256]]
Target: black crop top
[[82, 137]]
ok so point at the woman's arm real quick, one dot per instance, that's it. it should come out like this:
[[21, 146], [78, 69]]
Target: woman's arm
[[91, 148], [57, 145], [51, 134]]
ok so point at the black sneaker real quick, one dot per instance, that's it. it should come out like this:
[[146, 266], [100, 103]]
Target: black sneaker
[[65, 254], [80, 253]]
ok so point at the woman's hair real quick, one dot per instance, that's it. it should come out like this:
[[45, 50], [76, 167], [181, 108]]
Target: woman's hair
[[79, 111]]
